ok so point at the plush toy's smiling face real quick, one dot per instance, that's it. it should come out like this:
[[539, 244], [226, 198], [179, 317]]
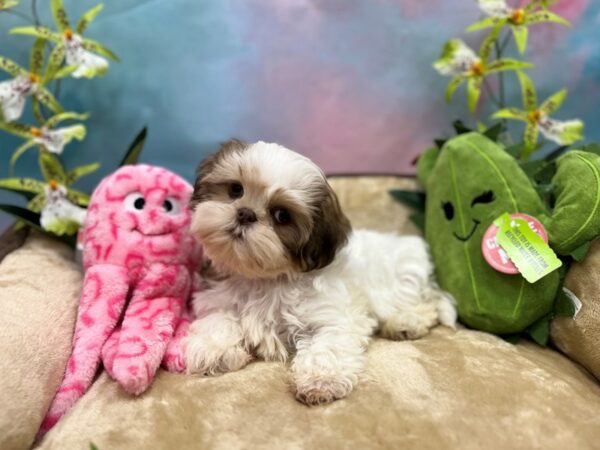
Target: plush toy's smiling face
[[139, 213], [450, 213], [471, 183]]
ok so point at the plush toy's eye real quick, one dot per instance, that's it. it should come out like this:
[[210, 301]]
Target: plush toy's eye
[[281, 216], [171, 206], [236, 190], [486, 197], [135, 201], [448, 210]]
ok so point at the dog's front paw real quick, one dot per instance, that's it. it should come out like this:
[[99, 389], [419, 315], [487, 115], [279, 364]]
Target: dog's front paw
[[206, 357], [316, 390]]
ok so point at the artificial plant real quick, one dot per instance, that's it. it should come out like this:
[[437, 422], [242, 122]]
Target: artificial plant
[[56, 53], [473, 179]]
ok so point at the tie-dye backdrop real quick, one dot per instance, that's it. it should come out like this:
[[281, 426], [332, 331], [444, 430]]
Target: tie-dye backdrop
[[347, 82]]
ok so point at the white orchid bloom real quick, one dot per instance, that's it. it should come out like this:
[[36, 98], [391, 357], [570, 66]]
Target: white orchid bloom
[[58, 210], [495, 8], [457, 59], [55, 140], [87, 63], [13, 94], [563, 132]]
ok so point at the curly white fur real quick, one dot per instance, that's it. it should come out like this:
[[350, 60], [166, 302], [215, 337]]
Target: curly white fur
[[326, 317]]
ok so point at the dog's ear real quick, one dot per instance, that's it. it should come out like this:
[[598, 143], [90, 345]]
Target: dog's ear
[[208, 164], [330, 232]]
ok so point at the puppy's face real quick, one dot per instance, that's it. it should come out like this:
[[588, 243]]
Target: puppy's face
[[261, 211]]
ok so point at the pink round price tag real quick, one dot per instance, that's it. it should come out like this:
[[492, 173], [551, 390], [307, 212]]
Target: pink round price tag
[[493, 253]]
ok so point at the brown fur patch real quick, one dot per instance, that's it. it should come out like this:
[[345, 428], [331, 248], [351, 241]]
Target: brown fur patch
[[202, 189]]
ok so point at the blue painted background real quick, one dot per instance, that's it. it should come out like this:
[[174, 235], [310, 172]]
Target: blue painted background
[[347, 82]]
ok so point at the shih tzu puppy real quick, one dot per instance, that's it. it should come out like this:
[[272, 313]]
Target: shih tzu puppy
[[294, 278]]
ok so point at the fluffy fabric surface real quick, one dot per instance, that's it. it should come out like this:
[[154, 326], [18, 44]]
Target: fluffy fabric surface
[[139, 262], [579, 336], [449, 390], [39, 288]]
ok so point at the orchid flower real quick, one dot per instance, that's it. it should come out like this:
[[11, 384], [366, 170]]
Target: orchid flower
[[537, 118], [500, 14], [24, 83], [59, 215], [47, 136], [84, 57], [462, 63]]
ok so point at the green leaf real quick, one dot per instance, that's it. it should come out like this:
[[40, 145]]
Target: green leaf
[[46, 97], [93, 446], [528, 92], [510, 113], [133, 152], [580, 252], [11, 67], [418, 219], [51, 167], [554, 102], [81, 171], [36, 204], [452, 86], [540, 331], [60, 15], [495, 131], [563, 305], [22, 185], [78, 197], [97, 47], [18, 129], [504, 64], [88, 18], [55, 61], [41, 32], [36, 57], [488, 43], [56, 119], [19, 152], [473, 92], [37, 110], [30, 217], [412, 199], [520, 34], [530, 138], [545, 16], [7, 4], [488, 22], [515, 150], [460, 127], [66, 71], [531, 168]]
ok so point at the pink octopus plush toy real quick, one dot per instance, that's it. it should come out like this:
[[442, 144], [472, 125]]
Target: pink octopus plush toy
[[139, 262]]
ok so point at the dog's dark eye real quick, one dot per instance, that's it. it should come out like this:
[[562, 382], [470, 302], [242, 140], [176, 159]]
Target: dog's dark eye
[[486, 197], [448, 210], [281, 216], [236, 190]]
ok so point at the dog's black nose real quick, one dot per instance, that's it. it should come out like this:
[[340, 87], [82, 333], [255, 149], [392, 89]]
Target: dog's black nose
[[245, 216]]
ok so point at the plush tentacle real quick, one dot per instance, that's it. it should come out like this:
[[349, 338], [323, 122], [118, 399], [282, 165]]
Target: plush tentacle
[[174, 359], [109, 351], [149, 324], [105, 290]]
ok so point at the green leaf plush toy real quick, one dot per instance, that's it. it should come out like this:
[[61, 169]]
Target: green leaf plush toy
[[472, 181]]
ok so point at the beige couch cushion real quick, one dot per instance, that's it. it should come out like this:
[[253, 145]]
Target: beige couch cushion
[[39, 289], [464, 389], [461, 389]]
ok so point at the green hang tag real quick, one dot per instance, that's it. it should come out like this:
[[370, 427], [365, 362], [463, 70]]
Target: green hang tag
[[527, 250]]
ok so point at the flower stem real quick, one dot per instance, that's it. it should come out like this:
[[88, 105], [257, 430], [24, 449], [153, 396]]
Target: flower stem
[[499, 48], [490, 93], [34, 13]]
